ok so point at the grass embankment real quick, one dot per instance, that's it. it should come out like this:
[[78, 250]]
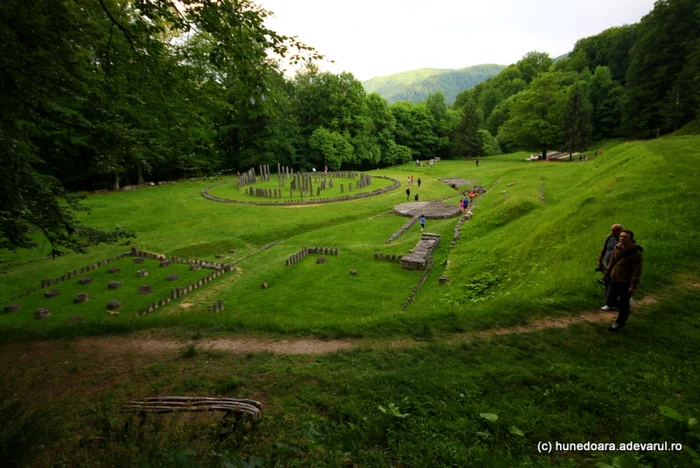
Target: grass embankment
[[519, 258]]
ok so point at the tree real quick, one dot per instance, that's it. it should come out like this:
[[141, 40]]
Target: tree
[[109, 89], [332, 146], [657, 95], [606, 100], [534, 121], [465, 139], [575, 123], [415, 128], [489, 143]]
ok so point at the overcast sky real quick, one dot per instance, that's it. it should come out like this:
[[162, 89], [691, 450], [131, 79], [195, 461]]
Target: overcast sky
[[379, 37]]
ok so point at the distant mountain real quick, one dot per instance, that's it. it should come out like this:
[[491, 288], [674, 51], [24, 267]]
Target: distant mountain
[[415, 85], [561, 57]]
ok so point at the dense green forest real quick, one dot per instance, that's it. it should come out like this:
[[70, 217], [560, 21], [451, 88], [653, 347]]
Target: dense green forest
[[417, 85], [100, 94]]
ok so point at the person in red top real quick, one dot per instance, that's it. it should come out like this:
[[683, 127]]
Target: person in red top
[[471, 196]]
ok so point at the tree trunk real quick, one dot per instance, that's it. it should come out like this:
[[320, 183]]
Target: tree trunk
[[115, 180], [139, 173]]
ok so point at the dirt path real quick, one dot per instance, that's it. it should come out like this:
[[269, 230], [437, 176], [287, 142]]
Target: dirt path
[[155, 342]]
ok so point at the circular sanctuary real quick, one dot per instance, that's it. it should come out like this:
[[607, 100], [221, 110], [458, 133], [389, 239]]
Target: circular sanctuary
[[286, 187]]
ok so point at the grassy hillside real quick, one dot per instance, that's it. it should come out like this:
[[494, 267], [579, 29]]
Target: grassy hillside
[[442, 383], [415, 85]]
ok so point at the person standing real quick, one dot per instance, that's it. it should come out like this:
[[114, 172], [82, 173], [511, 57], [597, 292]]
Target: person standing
[[471, 196], [465, 204], [408, 181], [408, 193], [623, 272], [608, 247], [477, 162], [419, 182], [411, 180], [422, 222]]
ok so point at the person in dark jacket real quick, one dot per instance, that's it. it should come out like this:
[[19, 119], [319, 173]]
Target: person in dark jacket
[[608, 247], [623, 273]]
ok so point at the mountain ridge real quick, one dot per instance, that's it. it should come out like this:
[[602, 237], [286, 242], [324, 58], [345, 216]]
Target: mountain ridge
[[415, 85]]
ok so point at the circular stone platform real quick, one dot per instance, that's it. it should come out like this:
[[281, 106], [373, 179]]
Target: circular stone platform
[[431, 210]]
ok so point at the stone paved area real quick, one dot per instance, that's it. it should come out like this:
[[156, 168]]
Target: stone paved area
[[457, 182], [431, 210]]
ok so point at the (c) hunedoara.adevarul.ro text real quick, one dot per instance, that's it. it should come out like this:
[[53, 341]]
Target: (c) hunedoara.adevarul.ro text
[[549, 447]]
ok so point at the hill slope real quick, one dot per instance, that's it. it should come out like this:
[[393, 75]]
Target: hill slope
[[415, 85]]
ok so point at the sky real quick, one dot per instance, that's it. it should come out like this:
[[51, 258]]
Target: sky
[[371, 38]]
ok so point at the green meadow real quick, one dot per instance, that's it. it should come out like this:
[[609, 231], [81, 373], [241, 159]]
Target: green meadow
[[432, 385]]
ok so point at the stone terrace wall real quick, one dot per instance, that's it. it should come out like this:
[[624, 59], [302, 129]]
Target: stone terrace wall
[[296, 258], [421, 282], [387, 257]]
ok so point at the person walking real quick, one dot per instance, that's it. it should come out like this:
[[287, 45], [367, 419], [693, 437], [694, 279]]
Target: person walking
[[408, 181], [608, 247], [623, 272], [422, 222], [408, 193], [465, 204], [419, 182], [471, 196]]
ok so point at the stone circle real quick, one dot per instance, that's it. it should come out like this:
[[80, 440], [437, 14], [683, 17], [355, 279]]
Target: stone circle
[[138, 260], [113, 304], [431, 210], [85, 280], [114, 284], [172, 277], [81, 297], [42, 313], [113, 270], [12, 308], [51, 294], [145, 289]]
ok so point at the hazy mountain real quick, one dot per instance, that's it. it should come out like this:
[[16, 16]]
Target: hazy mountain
[[415, 85]]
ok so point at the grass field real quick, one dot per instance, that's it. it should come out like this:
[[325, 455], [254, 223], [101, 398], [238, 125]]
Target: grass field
[[419, 387]]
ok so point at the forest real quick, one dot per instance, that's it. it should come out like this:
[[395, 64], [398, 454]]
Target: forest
[[98, 95]]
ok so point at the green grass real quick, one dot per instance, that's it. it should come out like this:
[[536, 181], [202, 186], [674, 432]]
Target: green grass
[[93, 311], [518, 258]]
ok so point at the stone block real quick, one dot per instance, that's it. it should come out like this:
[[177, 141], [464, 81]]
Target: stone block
[[145, 289], [114, 284], [12, 308], [85, 280], [51, 294], [113, 270], [81, 297], [142, 273], [113, 304], [42, 313]]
